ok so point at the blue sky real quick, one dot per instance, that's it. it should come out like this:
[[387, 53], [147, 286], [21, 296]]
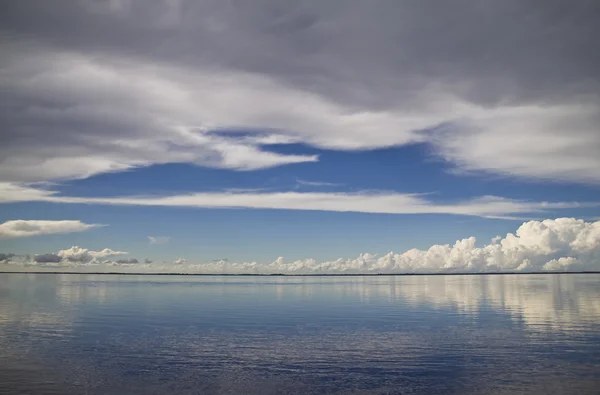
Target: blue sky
[[205, 234], [300, 130]]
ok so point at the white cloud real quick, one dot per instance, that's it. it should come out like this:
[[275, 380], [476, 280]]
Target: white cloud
[[82, 255], [560, 264], [158, 239], [28, 228], [364, 202], [10, 192], [317, 183], [562, 244], [559, 143]]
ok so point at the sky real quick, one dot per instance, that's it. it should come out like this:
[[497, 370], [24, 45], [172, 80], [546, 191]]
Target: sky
[[299, 136]]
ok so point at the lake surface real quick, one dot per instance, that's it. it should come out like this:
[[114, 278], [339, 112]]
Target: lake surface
[[112, 334]]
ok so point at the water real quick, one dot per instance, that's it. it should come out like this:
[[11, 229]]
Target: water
[[103, 334]]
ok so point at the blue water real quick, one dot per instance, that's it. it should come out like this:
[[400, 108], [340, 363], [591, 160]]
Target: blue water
[[110, 334]]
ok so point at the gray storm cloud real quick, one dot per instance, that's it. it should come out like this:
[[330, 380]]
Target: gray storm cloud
[[91, 87], [47, 258], [562, 244], [130, 261]]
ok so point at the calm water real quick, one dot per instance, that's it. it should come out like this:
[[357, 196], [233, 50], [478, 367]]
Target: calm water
[[102, 334]]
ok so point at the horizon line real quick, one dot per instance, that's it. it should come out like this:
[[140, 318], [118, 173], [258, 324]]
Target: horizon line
[[302, 275]]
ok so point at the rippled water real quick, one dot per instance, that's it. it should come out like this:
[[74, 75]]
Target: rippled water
[[103, 334]]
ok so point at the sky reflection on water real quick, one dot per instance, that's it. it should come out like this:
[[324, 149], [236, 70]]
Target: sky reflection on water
[[496, 334]]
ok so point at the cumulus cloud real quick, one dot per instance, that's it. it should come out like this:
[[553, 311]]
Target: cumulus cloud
[[27, 228], [159, 239], [562, 263], [562, 244], [154, 82], [83, 255], [6, 257], [70, 258]]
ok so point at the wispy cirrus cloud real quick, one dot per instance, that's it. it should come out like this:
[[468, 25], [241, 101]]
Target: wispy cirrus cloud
[[317, 183], [361, 202]]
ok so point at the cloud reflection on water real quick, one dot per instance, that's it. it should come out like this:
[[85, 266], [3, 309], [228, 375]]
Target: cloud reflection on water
[[276, 334]]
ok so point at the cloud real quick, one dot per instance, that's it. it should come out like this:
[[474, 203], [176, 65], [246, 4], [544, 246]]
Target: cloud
[[23, 193], [47, 258], [561, 264], [147, 260], [562, 244], [317, 183], [362, 202], [70, 258], [159, 239], [127, 261], [518, 76], [529, 142], [27, 228], [82, 255]]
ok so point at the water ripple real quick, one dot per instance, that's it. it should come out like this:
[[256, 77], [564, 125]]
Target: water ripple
[[100, 334]]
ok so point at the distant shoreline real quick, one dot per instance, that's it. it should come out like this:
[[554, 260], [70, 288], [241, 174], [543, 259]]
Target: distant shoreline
[[303, 275]]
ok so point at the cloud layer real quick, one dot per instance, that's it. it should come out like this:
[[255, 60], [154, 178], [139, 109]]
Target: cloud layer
[[562, 244], [27, 228], [362, 202], [91, 87]]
